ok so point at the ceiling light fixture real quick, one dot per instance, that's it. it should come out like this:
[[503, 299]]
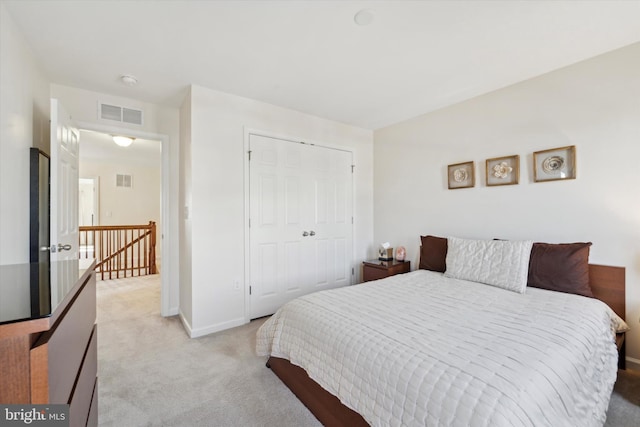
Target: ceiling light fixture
[[364, 17], [128, 80], [123, 141]]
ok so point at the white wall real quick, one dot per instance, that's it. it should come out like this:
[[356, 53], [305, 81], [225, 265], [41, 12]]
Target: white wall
[[594, 105], [117, 205], [218, 121], [24, 122], [83, 107]]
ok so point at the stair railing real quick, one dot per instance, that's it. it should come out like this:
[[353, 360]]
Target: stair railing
[[120, 250]]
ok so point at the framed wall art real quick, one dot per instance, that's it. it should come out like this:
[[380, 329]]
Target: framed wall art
[[461, 175], [554, 164], [503, 170]]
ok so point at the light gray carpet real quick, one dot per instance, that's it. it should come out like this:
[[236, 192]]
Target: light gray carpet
[[152, 374], [624, 408]]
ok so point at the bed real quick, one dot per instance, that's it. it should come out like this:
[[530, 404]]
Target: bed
[[457, 347]]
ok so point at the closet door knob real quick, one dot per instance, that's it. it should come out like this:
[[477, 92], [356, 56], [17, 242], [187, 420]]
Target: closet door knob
[[312, 233], [305, 234]]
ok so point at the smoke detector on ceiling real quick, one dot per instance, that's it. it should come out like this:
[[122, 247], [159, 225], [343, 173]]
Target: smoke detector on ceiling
[[364, 17], [128, 80]]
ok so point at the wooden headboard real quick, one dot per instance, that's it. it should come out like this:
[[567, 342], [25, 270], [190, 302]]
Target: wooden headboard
[[608, 285]]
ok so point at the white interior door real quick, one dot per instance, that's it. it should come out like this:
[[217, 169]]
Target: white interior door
[[301, 229], [64, 185]]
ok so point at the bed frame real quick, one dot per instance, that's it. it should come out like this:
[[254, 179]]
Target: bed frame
[[607, 284]]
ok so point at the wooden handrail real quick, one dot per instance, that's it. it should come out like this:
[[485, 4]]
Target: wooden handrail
[[115, 227], [126, 249]]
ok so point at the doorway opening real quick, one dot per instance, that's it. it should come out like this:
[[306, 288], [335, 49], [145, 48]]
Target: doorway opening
[[121, 200], [88, 197]]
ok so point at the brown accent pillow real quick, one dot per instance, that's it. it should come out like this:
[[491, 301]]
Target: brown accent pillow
[[561, 267], [433, 253]]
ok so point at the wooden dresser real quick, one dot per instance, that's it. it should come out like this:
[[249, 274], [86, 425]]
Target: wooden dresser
[[48, 337]]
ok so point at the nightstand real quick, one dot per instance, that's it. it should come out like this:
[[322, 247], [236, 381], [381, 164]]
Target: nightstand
[[374, 269]]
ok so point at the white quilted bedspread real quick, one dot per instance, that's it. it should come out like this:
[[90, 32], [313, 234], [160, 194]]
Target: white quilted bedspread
[[420, 349]]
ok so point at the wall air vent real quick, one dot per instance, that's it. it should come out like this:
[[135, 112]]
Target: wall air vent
[[123, 180], [120, 114]]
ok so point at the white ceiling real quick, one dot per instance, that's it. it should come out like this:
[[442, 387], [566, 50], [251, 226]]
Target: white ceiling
[[416, 56], [100, 147]]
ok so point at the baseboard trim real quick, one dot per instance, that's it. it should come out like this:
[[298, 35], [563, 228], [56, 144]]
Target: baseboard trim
[[632, 363], [185, 324], [195, 333]]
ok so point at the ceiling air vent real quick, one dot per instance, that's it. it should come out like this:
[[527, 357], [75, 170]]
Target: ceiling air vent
[[120, 114]]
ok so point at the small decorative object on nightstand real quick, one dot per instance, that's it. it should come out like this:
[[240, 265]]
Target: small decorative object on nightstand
[[385, 252], [401, 253], [374, 269]]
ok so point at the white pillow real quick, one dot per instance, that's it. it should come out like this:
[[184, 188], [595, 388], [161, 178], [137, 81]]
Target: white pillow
[[617, 323], [501, 263]]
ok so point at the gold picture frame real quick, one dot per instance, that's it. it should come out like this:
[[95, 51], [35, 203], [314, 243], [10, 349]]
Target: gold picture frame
[[503, 170], [554, 164], [461, 175]]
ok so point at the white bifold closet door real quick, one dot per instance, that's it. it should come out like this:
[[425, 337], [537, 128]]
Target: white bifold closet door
[[301, 221]]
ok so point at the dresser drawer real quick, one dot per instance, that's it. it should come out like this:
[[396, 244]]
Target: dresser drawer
[[57, 355], [92, 419], [83, 392]]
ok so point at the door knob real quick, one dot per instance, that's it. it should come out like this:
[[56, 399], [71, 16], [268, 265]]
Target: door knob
[[305, 234], [312, 233], [55, 249]]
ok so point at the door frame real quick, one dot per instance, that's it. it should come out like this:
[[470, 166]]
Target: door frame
[[247, 203], [167, 245]]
